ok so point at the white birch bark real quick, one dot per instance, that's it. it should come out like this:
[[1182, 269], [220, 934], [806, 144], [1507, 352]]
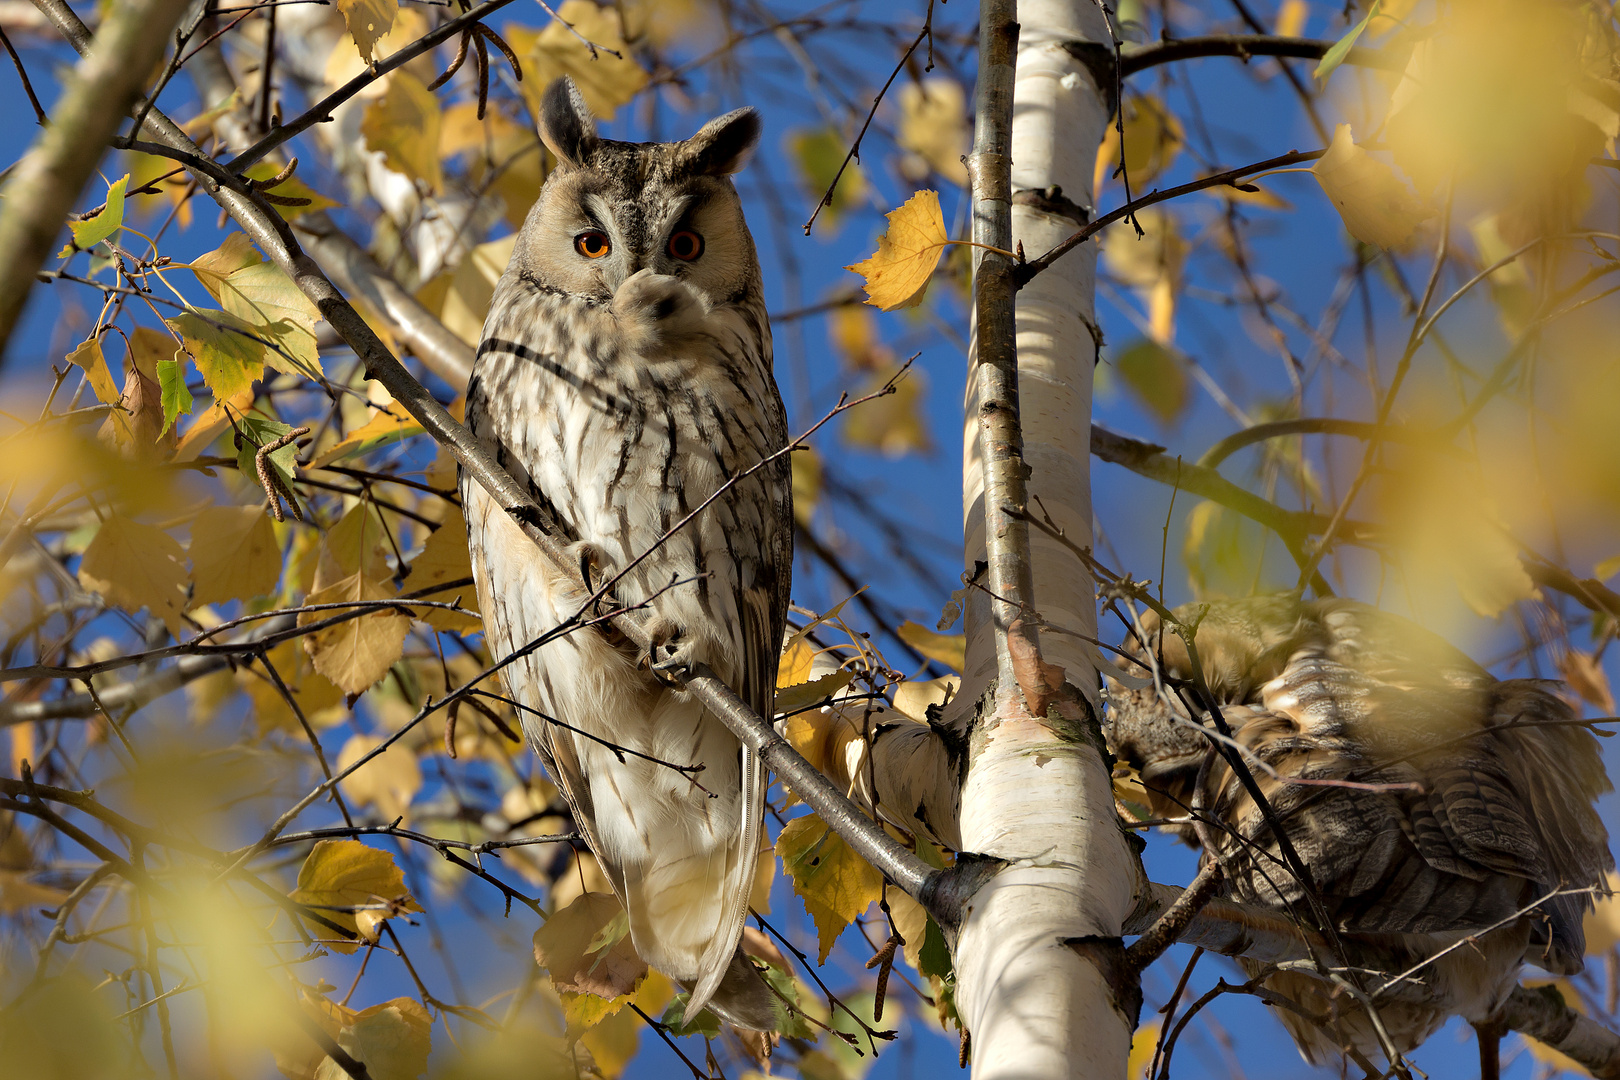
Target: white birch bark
[[1037, 793]]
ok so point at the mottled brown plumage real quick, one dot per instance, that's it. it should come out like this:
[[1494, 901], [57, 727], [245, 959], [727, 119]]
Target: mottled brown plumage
[[625, 376], [1475, 796]]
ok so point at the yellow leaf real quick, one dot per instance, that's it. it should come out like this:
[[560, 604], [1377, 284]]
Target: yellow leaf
[[933, 126], [461, 297], [137, 566], [89, 357], [234, 555], [265, 299], [835, 883], [1153, 138], [392, 1040], [806, 484], [357, 544], [1157, 377], [897, 274], [612, 1041], [1602, 924], [348, 874], [404, 125], [1147, 1036], [893, 424], [948, 649], [444, 558], [795, 698], [357, 652], [1606, 569], [317, 698], [819, 153], [1585, 676], [1291, 16], [586, 948], [1376, 205], [18, 894], [388, 781], [854, 334], [605, 81], [1151, 265], [913, 698], [390, 424], [236, 253], [795, 665], [367, 21], [228, 355]]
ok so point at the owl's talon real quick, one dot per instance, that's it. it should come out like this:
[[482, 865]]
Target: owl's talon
[[667, 653]]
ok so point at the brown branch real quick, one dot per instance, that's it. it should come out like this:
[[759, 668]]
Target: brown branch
[[1244, 46], [1022, 273], [47, 181]]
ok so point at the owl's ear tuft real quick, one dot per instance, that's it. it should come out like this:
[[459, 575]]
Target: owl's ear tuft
[[722, 146], [566, 125]]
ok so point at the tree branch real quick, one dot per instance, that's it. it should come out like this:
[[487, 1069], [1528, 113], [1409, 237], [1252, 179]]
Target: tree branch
[[1244, 46], [48, 180], [274, 238]]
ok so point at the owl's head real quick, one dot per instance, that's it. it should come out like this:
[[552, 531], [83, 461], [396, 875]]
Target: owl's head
[[612, 209]]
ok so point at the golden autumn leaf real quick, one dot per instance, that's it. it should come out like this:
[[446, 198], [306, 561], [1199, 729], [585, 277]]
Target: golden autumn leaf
[[234, 555], [227, 351], [367, 21], [357, 544], [605, 81], [1377, 206], [792, 699], [1291, 16], [390, 424], [388, 781], [460, 297], [586, 948], [613, 1040], [807, 475], [90, 358], [18, 893], [1151, 265], [835, 883], [444, 558], [357, 652], [404, 125], [317, 698], [948, 649], [1146, 1038], [1585, 676], [392, 1039], [1153, 139], [794, 667], [819, 154], [934, 129], [348, 874], [893, 424], [137, 566], [1601, 925], [897, 273], [913, 698]]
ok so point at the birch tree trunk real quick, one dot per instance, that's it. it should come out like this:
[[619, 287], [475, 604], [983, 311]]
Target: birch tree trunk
[[1041, 981]]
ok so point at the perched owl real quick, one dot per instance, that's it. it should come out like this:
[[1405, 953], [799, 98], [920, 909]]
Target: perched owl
[[1474, 799], [625, 377]]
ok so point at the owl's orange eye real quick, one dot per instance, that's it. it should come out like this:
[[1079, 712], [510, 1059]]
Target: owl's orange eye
[[685, 245], [593, 244]]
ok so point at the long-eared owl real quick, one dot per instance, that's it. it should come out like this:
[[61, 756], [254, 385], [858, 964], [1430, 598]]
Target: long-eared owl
[[625, 377], [1428, 800]]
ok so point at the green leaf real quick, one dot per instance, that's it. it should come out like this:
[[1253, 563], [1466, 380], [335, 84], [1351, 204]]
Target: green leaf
[[794, 1026], [1156, 375], [92, 231], [228, 355], [704, 1023], [1341, 48], [1606, 569], [177, 397], [934, 958], [265, 298], [253, 432]]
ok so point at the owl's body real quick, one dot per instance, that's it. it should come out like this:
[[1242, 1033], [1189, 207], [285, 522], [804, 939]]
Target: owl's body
[[625, 384], [1418, 820]]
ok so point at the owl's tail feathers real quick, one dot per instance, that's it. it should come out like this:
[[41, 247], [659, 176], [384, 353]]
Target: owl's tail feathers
[[742, 999], [722, 957]]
